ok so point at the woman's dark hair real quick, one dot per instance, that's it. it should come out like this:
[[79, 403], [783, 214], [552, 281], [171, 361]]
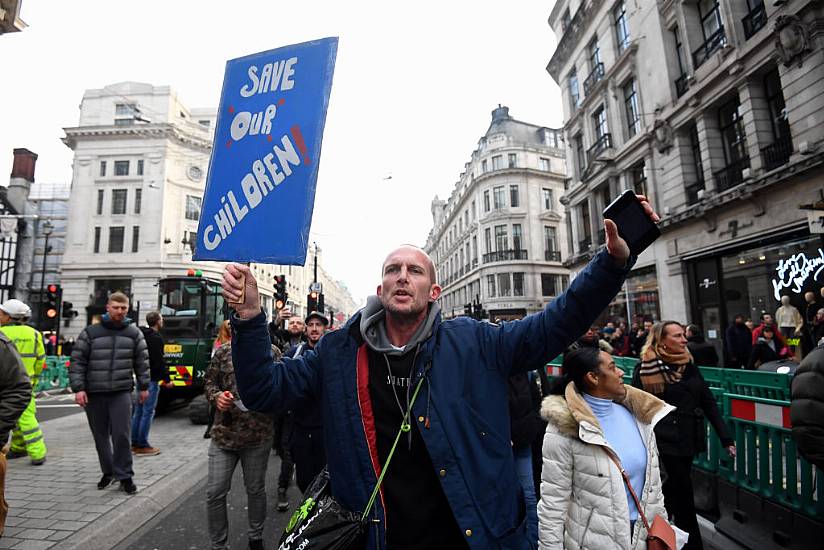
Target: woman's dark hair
[[577, 364]]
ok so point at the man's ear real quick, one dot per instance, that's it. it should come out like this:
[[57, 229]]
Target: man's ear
[[379, 290], [434, 292]]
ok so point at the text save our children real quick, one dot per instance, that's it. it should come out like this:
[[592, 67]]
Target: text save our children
[[270, 170]]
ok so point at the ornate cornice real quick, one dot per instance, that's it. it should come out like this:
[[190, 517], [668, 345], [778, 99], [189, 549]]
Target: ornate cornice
[[581, 21], [142, 131]]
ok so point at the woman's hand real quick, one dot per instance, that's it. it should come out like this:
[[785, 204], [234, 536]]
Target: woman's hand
[[731, 451]]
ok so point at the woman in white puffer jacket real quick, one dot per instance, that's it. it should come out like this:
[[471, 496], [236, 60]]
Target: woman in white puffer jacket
[[584, 501]]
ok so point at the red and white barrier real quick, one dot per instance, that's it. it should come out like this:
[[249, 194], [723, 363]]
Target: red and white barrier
[[761, 413], [552, 370]]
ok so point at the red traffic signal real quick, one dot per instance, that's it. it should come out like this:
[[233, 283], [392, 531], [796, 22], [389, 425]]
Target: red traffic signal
[[52, 288]]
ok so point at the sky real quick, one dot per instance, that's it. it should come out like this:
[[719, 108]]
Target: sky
[[413, 92]]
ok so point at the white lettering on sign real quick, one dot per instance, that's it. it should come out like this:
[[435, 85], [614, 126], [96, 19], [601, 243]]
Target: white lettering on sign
[[794, 271], [273, 76]]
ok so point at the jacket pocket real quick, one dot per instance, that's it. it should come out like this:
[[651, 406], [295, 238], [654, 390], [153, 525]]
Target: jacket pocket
[[586, 528]]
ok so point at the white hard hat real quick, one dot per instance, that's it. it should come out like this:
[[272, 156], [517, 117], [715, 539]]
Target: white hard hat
[[16, 308]]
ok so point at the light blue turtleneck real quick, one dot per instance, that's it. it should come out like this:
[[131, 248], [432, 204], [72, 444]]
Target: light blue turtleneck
[[621, 432]]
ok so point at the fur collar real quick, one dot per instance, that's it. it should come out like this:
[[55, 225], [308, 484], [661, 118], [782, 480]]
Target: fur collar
[[566, 412]]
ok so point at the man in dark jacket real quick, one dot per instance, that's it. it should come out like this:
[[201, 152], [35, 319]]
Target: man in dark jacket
[[143, 413], [526, 427], [703, 353], [105, 358], [15, 394], [738, 344], [807, 407], [452, 481], [286, 339]]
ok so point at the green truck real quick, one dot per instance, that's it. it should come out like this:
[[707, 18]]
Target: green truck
[[193, 309]]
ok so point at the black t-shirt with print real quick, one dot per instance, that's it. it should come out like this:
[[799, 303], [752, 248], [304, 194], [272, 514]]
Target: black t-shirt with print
[[418, 516]]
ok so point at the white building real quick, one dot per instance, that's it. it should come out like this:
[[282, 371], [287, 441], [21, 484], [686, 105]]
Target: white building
[[140, 162], [501, 238], [713, 108]]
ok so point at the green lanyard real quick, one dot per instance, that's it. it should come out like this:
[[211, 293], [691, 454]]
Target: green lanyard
[[405, 427]]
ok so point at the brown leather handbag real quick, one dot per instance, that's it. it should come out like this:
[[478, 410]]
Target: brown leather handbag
[[660, 535]]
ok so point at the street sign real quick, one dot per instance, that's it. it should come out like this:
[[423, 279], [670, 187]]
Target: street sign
[[260, 190]]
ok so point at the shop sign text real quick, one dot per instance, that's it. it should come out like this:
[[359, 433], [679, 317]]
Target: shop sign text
[[794, 271]]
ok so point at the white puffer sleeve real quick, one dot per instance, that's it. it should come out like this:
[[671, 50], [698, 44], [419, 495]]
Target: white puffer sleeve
[[556, 490]]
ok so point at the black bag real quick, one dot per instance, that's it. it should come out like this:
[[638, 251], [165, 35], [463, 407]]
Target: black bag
[[322, 523]]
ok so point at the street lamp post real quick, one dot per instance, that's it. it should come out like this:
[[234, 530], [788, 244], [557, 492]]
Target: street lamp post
[[46, 229]]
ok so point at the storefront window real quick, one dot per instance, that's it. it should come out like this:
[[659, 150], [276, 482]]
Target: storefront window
[[638, 300]]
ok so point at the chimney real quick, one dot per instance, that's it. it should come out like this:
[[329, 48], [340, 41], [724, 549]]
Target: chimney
[[499, 114], [22, 176]]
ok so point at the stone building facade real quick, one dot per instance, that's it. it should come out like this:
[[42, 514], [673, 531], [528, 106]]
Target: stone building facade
[[714, 109], [500, 238]]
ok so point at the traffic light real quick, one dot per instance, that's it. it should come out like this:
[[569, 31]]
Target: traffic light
[[280, 291], [68, 311], [52, 308], [312, 301], [320, 303]]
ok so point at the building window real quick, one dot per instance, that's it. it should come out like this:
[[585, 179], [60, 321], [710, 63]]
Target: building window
[[488, 239], [473, 211], [96, 240], [102, 168], [594, 53], [517, 284], [119, 201], [574, 92], [756, 18], [486, 200], [484, 168], [619, 12], [543, 164], [585, 227], [514, 198], [546, 195], [501, 238], [124, 122], [193, 207], [551, 244], [512, 160], [681, 83], [121, 168], [698, 166], [599, 119], [100, 194], [490, 285], [517, 236], [547, 285], [566, 20], [778, 153], [580, 157], [466, 218], [497, 162], [140, 167], [125, 109], [631, 105], [736, 155], [207, 123], [712, 29], [638, 179], [135, 237], [475, 248], [504, 288], [116, 239], [138, 199], [498, 198]]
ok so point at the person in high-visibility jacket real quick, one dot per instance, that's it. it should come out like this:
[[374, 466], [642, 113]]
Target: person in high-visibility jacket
[[26, 437]]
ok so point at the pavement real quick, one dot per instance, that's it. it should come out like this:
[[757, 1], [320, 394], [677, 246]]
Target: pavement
[[58, 505]]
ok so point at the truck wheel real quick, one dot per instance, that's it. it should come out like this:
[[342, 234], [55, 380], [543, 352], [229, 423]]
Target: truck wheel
[[199, 410]]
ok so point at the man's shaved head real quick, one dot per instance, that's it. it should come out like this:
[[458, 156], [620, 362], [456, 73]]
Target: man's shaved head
[[430, 265]]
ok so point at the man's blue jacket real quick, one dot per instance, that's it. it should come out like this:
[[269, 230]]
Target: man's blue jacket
[[461, 411]]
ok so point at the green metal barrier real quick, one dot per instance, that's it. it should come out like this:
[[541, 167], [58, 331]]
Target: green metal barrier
[[767, 385], [715, 456], [767, 462], [55, 375]]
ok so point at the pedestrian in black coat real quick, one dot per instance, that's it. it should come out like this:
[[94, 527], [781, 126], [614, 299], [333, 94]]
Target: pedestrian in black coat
[[703, 353], [738, 344], [807, 407]]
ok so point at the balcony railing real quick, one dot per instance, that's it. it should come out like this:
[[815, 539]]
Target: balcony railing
[[584, 244], [504, 255], [474, 262], [732, 175], [777, 154], [594, 77], [604, 142], [754, 21], [681, 85], [552, 255], [709, 47]]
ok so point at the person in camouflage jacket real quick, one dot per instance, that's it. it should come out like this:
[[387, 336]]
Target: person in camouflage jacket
[[238, 435]]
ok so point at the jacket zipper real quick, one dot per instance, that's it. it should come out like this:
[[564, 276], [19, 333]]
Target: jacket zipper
[[586, 528]]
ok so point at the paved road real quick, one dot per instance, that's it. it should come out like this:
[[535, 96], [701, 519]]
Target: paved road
[[56, 406], [182, 525]]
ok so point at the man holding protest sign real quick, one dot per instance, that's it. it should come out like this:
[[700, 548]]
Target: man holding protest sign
[[452, 481]]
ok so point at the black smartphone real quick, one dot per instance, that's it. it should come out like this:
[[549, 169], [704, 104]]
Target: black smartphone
[[634, 226]]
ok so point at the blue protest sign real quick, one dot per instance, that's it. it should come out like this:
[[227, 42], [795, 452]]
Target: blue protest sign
[[260, 191]]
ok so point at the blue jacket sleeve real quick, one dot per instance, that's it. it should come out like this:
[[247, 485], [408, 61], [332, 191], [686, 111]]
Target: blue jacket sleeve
[[263, 384], [531, 342]]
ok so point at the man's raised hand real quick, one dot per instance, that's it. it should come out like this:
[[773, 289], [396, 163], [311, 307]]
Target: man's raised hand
[[240, 290]]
